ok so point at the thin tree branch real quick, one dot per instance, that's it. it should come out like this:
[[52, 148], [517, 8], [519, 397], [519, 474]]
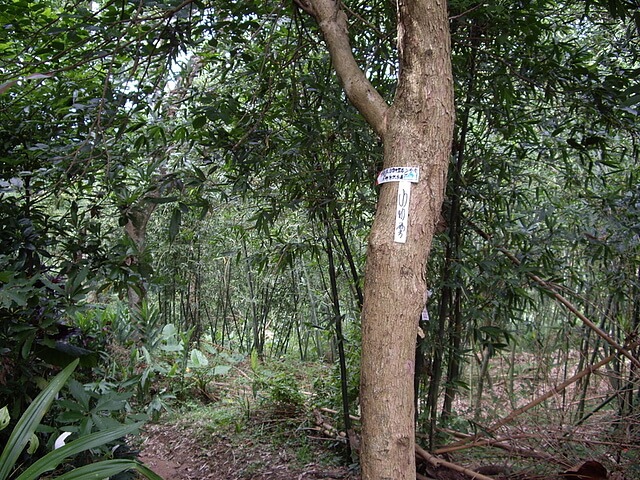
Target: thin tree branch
[[552, 289], [501, 443], [333, 23]]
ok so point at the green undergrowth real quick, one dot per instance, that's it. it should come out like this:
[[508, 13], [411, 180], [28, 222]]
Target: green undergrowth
[[267, 404]]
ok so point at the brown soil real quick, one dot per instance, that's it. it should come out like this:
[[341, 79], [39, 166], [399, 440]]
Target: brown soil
[[186, 452]]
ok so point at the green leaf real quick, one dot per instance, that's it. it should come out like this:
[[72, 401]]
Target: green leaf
[[113, 401], [79, 393], [108, 468], [74, 213], [34, 443], [51, 460], [633, 100], [255, 362], [221, 369], [198, 359], [5, 418], [17, 297], [6, 276], [199, 122], [29, 421]]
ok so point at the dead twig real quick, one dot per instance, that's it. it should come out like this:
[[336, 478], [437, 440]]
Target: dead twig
[[438, 462], [500, 443]]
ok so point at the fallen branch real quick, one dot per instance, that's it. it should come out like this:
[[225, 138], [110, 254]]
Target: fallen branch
[[500, 443], [326, 439], [335, 412], [519, 411], [326, 428], [437, 462]]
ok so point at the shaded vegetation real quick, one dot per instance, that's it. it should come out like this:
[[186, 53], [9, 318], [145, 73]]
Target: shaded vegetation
[[184, 189]]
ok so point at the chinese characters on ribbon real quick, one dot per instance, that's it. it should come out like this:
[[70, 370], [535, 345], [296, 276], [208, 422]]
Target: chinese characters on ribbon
[[405, 176], [402, 211]]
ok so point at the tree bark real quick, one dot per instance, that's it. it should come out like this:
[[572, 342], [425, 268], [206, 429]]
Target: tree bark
[[417, 132], [136, 229]]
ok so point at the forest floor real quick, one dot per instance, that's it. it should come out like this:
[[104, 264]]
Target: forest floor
[[240, 429], [247, 426], [185, 450]]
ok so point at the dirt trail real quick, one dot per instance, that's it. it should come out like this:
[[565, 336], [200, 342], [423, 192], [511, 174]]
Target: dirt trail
[[177, 452]]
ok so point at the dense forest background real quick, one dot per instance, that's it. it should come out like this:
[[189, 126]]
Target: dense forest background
[[184, 187]]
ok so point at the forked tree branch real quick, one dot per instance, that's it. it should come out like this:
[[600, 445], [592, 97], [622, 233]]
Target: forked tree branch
[[333, 23]]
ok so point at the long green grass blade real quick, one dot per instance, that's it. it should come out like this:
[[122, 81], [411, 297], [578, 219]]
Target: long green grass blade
[[147, 472], [107, 468], [52, 459], [30, 420]]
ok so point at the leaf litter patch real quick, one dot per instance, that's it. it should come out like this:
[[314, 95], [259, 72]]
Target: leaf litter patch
[[179, 451]]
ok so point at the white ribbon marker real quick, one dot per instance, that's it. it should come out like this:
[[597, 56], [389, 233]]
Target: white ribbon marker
[[405, 176]]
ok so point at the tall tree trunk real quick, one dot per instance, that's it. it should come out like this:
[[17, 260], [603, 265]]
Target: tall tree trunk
[[437, 351], [484, 369], [256, 344], [417, 132], [136, 229], [634, 373], [355, 277], [455, 355]]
